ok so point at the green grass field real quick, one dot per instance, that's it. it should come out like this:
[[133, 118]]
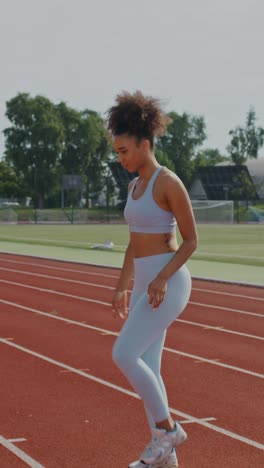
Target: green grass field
[[236, 244]]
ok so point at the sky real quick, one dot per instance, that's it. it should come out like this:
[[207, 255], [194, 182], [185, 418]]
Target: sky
[[203, 57]]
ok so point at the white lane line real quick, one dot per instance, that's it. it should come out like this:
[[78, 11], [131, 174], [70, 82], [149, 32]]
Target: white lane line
[[17, 440], [213, 360], [212, 306], [216, 363], [207, 327], [191, 421], [68, 371], [103, 331], [206, 424], [19, 453], [222, 293], [221, 329], [52, 291], [71, 270], [96, 285], [104, 275], [187, 322], [59, 278]]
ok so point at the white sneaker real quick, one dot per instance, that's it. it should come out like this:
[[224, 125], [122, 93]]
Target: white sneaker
[[170, 462], [162, 443]]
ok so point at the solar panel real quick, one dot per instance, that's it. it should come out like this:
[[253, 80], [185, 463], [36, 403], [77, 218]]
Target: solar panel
[[219, 181]]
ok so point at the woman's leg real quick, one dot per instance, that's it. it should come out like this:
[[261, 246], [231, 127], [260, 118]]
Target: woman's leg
[[152, 357], [142, 329]]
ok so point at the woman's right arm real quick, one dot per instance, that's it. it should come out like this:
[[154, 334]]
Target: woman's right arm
[[119, 301], [127, 270]]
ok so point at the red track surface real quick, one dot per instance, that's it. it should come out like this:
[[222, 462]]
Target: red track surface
[[57, 332]]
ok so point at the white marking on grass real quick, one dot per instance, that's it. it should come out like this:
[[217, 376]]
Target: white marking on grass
[[120, 246], [215, 254], [108, 384], [108, 332], [18, 452], [39, 240]]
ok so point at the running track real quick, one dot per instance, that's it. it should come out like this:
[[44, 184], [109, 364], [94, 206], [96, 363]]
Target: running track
[[65, 405]]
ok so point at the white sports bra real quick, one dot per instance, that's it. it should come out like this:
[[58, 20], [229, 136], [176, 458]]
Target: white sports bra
[[144, 214]]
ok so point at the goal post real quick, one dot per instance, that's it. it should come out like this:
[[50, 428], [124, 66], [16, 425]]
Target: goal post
[[8, 216], [213, 211]]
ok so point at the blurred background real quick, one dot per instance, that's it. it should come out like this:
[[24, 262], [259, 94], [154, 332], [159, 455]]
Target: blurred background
[[62, 64]]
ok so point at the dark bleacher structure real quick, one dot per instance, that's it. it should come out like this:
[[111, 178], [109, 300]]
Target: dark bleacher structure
[[220, 181], [121, 176]]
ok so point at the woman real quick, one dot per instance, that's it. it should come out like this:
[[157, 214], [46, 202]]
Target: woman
[[162, 284]]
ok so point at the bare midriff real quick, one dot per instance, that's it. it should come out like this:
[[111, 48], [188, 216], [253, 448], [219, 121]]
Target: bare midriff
[[144, 245]]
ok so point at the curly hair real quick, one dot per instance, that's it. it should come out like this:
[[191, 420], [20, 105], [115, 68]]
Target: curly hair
[[137, 115]]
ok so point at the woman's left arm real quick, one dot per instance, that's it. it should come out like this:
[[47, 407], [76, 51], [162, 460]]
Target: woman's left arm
[[180, 205]]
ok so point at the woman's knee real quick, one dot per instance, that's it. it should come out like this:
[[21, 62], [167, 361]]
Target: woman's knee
[[116, 354], [121, 356]]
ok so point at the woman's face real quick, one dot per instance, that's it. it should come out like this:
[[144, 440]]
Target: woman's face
[[131, 153]]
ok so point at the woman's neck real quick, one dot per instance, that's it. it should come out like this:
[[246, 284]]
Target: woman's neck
[[145, 171]]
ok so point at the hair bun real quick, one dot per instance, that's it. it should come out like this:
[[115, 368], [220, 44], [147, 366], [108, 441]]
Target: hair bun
[[138, 115]]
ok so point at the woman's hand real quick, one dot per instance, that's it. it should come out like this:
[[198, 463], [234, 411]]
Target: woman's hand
[[156, 291], [119, 304]]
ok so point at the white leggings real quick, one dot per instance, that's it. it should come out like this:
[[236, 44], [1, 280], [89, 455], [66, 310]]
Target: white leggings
[[138, 348]]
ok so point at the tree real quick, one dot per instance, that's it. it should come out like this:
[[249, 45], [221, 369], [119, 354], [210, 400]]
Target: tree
[[34, 143], [71, 154], [9, 183], [85, 147], [242, 187], [163, 159], [94, 167], [246, 141], [209, 157], [185, 134]]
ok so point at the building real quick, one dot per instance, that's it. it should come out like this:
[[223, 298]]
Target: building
[[216, 182]]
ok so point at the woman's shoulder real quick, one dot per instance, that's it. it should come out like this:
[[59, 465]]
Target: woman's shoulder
[[174, 191], [169, 179]]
